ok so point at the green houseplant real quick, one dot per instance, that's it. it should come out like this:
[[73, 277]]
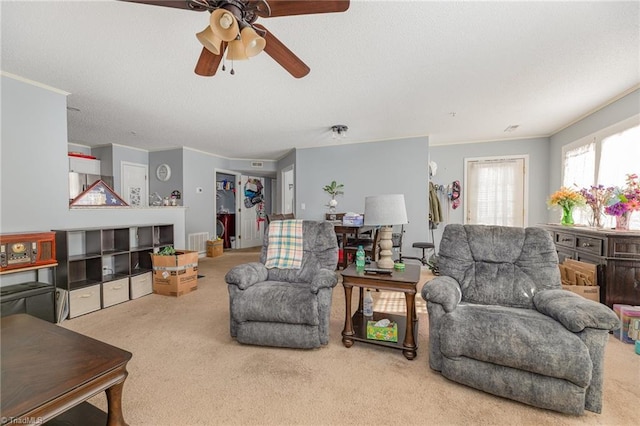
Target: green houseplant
[[333, 189]]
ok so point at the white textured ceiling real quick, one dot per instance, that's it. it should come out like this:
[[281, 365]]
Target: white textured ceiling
[[453, 71]]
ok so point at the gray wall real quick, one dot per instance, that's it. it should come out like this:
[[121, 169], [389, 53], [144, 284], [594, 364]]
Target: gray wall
[[450, 160], [34, 169], [390, 167]]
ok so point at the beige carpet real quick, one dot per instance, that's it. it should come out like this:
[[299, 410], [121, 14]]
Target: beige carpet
[[186, 370]]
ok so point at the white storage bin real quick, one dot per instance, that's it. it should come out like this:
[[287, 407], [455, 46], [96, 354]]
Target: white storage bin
[[84, 300], [114, 292], [141, 285]]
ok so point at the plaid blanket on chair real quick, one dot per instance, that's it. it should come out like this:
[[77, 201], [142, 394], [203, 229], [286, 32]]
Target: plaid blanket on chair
[[285, 244]]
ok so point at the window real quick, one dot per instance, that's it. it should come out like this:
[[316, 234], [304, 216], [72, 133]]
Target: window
[[604, 158], [496, 191]]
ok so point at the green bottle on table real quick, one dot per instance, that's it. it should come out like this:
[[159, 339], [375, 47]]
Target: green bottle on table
[[360, 259]]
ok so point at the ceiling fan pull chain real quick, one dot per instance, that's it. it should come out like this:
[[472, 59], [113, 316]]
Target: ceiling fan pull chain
[[232, 70]]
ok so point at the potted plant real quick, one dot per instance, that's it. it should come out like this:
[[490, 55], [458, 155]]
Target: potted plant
[[333, 189]]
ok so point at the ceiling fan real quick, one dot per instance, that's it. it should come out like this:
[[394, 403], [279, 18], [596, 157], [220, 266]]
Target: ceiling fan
[[232, 29]]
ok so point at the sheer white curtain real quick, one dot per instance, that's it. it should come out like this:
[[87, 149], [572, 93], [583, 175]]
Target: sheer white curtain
[[620, 156], [580, 166], [605, 160], [580, 172], [495, 191]]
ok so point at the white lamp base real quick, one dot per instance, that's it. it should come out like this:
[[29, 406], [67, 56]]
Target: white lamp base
[[386, 244]]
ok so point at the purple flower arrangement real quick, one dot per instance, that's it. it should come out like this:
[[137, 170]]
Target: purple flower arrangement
[[624, 200], [597, 197]]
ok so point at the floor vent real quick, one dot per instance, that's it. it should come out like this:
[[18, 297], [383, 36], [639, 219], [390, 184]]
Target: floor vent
[[198, 242]]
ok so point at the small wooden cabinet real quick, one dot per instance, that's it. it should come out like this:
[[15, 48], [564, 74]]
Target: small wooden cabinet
[[101, 267], [617, 254]]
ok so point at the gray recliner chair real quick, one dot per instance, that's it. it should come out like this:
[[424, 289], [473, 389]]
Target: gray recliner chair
[[500, 322], [286, 307]]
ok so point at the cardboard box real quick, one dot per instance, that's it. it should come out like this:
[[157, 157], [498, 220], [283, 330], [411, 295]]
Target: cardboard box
[[175, 275], [591, 292], [574, 272], [626, 314], [389, 333], [215, 248]]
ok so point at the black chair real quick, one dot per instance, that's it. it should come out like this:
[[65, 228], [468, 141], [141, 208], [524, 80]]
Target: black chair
[[424, 245]]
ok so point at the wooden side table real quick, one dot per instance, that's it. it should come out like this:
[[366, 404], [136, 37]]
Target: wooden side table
[[355, 327]]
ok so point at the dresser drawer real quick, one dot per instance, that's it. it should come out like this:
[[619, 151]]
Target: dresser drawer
[[141, 285], [591, 245], [114, 292], [84, 300], [626, 248], [565, 240]]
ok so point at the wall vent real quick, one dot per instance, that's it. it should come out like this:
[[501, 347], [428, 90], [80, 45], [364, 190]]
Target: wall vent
[[257, 164], [198, 242]]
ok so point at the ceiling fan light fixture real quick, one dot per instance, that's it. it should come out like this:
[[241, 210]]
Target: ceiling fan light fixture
[[224, 24], [253, 43], [236, 51], [209, 40]]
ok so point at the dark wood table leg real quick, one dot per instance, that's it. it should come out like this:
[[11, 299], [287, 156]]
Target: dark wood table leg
[[348, 322], [114, 402], [409, 343]]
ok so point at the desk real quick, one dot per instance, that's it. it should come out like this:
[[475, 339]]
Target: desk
[[355, 327], [47, 370]]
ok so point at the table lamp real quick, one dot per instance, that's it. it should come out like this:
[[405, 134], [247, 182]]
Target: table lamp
[[385, 211]]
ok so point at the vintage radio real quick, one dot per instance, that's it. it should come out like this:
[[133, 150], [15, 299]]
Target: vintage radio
[[27, 250]]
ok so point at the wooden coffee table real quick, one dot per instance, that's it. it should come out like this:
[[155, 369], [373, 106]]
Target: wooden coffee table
[[355, 327], [48, 370]]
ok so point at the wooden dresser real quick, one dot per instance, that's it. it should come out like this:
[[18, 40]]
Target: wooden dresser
[[617, 254]]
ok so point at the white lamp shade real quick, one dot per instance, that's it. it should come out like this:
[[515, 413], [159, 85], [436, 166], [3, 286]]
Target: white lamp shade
[[385, 210]]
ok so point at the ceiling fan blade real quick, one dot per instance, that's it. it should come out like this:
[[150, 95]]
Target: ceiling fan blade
[[208, 63], [177, 4], [282, 55], [302, 7]]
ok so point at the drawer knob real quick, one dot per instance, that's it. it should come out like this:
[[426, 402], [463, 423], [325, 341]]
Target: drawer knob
[[565, 239], [587, 245], [85, 296], [118, 287]]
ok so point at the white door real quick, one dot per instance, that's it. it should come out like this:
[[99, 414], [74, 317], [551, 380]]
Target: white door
[[496, 191], [250, 191], [134, 187], [288, 189]]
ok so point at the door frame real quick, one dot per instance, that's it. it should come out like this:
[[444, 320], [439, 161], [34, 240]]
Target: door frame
[[236, 176], [525, 194], [284, 190]]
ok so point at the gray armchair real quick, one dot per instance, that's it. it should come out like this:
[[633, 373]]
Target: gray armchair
[[500, 322], [286, 307]]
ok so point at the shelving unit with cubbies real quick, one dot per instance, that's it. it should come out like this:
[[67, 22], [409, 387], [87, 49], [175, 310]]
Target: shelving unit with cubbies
[[101, 267]]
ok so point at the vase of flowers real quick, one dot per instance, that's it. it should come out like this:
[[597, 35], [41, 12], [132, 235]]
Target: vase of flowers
[[624, 202], [567, 199], [597, 197]]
